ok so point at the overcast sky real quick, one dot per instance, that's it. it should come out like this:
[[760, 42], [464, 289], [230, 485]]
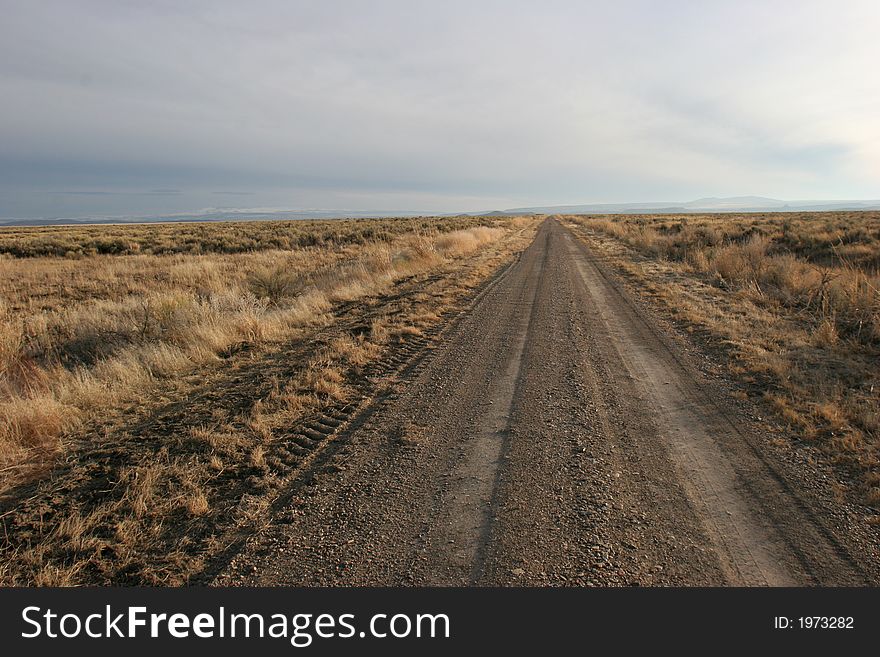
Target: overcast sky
[[124, 107]]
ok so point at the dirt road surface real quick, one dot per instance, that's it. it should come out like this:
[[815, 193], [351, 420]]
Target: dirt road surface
[[555, 434]]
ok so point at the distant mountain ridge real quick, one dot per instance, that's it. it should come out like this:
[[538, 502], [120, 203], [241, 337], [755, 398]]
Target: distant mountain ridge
[[709, 204], [206, 215]]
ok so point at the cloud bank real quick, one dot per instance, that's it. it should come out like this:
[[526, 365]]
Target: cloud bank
[[432, 106]]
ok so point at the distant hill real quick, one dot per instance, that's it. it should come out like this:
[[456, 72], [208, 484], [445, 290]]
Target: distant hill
[[711, 204], [209, 215]]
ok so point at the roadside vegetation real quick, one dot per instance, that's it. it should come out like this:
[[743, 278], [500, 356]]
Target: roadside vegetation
[[79, 335], [792, 299], [198, 238], [148, 401]]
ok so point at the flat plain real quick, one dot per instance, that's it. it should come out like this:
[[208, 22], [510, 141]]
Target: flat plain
[[566, 400]]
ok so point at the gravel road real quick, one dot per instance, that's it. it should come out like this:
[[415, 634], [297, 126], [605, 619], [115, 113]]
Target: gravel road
[[556, 434]]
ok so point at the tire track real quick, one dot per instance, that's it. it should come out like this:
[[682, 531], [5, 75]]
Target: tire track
[[475, 478], [754, 545], [549, 436]]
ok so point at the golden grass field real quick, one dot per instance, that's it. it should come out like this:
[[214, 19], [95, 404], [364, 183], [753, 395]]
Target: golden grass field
[[152, 376], [149, 373], [792, 301], [80, 333]]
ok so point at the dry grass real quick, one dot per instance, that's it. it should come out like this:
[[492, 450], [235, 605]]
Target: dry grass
[[162, 390], [795, 299], [80, 335], [201, 238]]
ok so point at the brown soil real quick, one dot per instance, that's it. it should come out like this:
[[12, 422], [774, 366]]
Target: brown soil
[[558, 433], [165, 490]]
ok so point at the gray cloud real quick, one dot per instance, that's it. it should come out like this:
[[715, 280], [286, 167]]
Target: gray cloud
[[434, 106]]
